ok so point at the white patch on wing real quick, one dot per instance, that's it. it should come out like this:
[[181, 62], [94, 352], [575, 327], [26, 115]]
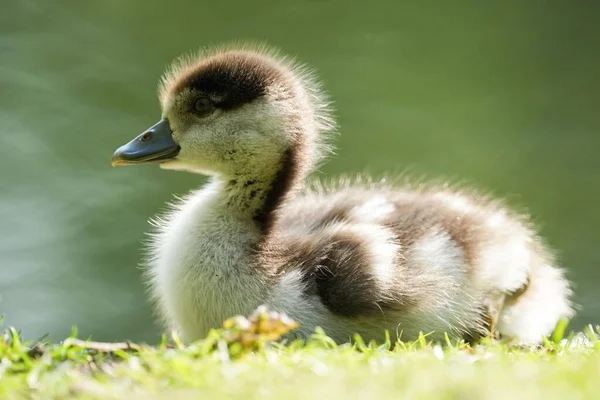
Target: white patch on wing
[[383, 250], [497, 220], [505, 265], [455, 202], [437, 252], [440, 266], [381, 245], [375, 209]]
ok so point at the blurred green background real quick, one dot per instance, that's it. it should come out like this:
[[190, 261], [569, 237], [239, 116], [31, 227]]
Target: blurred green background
[[504, 97]]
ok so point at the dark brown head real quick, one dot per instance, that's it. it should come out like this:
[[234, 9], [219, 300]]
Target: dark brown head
[[232, 112]]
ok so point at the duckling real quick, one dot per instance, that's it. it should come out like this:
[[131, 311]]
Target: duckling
[[351, 257]]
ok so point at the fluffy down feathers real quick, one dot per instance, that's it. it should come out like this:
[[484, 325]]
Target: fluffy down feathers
[[351, 257]]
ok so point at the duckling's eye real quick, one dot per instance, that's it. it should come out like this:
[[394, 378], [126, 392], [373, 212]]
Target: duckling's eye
[[202, 106]]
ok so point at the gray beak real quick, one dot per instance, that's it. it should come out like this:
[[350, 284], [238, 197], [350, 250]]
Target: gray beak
[[153, 146]]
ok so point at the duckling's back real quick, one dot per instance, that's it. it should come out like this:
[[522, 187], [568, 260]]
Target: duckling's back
[[412, 259]]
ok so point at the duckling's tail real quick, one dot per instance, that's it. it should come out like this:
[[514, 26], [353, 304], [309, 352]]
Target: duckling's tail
[[535, 311]]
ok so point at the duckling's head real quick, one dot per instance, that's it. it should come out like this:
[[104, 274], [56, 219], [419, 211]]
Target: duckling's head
[[234, 111]]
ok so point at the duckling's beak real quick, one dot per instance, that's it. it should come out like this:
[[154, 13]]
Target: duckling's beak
[[154, 145]]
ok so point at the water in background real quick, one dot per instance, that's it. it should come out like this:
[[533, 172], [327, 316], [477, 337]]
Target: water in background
[[503, 97]]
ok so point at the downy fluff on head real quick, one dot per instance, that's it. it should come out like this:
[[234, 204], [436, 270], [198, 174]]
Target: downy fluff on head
[[260, 104]]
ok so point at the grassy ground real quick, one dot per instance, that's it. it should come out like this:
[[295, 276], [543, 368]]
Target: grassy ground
[[240, 361]]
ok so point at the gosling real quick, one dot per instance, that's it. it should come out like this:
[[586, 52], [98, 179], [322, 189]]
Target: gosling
[[351, 257]]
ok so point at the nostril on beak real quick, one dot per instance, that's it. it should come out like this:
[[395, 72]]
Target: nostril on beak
[[146, 136]]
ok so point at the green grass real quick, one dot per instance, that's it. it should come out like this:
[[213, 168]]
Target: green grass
[[241, 361]]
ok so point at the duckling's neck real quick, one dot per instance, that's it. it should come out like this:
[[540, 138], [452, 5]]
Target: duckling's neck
[[255, 196], [202, 255], [202, 259]]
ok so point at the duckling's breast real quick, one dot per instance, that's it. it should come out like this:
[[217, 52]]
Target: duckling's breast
[[199, 271]]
